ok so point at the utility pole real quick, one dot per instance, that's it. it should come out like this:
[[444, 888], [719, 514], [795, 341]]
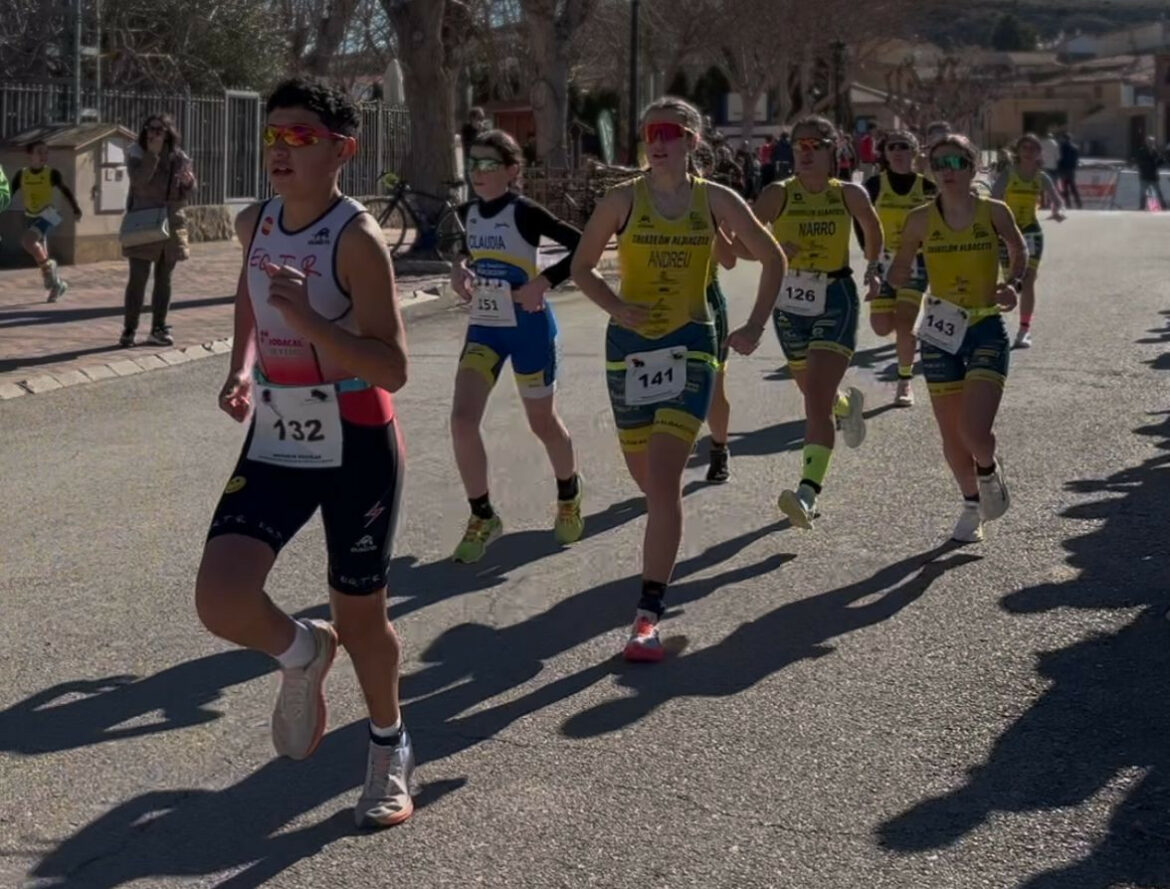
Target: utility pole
[[77, 22]]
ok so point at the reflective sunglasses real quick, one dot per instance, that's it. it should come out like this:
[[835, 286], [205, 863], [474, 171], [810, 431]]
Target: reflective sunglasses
[[812, 143], [950, 162], [664, 132], [899, 146], [484, 164], [298, 135]]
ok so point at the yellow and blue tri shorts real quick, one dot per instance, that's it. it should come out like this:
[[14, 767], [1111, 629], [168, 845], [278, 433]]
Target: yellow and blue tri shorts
[[717, 303], [1034, 237], [681, 416], [910, 295], [833, 331], [983, 356], [531, 344]]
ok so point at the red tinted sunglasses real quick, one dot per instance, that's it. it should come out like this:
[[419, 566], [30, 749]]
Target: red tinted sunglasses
[[298, 134], [664, 132]]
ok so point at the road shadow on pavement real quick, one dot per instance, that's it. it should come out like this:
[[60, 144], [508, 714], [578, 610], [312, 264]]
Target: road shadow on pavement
[[1105, 717], [12, 317], [797, 631], [194, 832], [866, 359]]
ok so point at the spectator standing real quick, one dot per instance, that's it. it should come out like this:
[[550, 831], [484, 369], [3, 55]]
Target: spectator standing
[[867, 154], [767, 160], [160, 176], [1066, 170], [1148, 160], [476, 123], [783, 158]]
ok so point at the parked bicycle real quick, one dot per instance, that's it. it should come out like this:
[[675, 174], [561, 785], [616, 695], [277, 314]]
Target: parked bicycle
[[403, 215]]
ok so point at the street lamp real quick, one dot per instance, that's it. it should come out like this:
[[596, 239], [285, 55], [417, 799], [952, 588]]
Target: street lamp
[[633, 123]]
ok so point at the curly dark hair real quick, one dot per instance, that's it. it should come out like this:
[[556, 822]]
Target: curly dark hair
[[336, 109], [503, 144]]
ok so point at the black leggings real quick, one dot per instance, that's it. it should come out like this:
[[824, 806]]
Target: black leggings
[[160, 298]]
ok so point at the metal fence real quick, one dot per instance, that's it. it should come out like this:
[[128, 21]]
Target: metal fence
[[220, 132]]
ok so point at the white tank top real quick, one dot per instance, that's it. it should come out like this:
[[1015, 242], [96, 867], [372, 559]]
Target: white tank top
[[285, 357], [498, 249]]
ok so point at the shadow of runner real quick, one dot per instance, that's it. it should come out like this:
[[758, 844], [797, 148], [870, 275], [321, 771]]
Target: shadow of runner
[[194, 832], [94, 711], [1106, 712], [793, 632]]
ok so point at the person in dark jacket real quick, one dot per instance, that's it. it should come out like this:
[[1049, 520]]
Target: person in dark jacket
[[1148, 160], [160, 176], [1066, 170]]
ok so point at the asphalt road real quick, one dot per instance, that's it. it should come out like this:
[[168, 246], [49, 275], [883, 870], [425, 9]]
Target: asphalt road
[[859, 706]]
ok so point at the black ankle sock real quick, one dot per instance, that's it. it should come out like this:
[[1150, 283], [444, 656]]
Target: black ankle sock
[[653, 594], [481, 507], [718, 447], [815, 487], [567, 487], [985, 470], [902, 376], [971, 498]]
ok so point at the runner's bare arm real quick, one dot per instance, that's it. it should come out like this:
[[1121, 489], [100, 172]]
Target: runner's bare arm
[[912, 237], [767, 207], [608, 217], [1005, 226], [724, 250], [858, 204], [377, 353], [730, 210], [244, 324], [999, 187]]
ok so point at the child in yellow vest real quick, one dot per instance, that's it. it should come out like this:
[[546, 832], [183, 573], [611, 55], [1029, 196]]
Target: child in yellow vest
[[37, 181]]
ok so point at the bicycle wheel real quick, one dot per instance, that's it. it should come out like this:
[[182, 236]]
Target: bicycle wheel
[[393, 221], [449, 235]]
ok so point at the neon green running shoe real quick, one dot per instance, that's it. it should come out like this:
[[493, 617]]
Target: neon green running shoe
[[479, 535]]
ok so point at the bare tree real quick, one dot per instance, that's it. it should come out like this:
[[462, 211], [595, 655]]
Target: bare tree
[[550, 26], [954, 89], [429, 34]]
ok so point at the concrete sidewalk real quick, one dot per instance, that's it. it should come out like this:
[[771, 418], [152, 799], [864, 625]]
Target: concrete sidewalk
[[47, 346]]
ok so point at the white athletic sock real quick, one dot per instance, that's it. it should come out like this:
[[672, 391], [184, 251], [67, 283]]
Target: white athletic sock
[[389, 732], [302, 650]]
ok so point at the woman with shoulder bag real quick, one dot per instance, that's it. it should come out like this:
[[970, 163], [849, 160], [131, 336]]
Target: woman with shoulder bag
[[154, 230]]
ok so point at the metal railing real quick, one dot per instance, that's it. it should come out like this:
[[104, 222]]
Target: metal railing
[[221, 132]]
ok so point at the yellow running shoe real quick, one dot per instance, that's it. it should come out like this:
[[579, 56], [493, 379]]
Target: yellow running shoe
[[479, 535], [569, 524]]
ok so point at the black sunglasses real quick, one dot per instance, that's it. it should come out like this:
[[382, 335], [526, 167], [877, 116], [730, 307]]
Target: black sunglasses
[[899, 146]]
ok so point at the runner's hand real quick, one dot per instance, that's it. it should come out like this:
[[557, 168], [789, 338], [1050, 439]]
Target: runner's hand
[[235, 398], [288, 294], [462, 280], [1006, 297], [631, 316], [746, 339], [531, 295]]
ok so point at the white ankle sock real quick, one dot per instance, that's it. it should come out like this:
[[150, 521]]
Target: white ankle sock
[[302, 650], [388, 732]]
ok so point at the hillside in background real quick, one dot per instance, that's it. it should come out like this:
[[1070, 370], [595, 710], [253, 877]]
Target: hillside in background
[[974, 23]]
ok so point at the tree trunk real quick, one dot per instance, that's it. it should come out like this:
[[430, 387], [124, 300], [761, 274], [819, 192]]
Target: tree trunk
[[429, 83], [549, 93], [750, 98]]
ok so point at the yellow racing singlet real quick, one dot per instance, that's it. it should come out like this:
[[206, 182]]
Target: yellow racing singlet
[[665, 264], [893, 208], [963, 265], [1022, 196], [819, 223], [37, 188]]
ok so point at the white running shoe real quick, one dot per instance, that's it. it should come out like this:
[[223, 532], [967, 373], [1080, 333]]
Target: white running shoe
[[386, 796], [904, 397], [852, 425], [800, 506], [969, 527], [994, 499], [1024, 339]]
